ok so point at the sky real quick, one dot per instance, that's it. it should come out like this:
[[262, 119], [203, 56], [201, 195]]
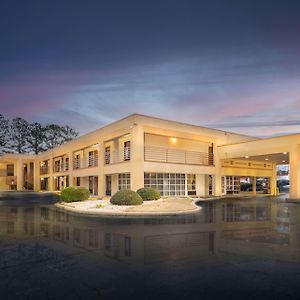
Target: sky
[[232, 65]]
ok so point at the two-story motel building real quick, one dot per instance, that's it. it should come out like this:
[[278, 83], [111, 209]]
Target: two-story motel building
[[175, 158]]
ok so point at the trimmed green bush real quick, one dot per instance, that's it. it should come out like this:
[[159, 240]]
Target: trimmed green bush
[[149, 194], [71, 194], [126, 197]]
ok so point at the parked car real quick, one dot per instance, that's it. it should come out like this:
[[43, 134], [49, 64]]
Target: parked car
[[283, 185]]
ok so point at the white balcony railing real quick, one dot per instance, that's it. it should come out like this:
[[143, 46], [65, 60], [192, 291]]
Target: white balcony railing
[[169, 155]]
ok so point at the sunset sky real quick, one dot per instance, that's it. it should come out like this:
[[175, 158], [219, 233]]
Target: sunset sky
[[233, 65]]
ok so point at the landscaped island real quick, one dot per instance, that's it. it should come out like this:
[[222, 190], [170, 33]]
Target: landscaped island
[[126, 202]]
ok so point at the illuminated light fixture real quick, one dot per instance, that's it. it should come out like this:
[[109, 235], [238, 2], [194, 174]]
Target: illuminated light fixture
[[96, 145], [54, 177], [284, 153], [266, 159], [283, 161], [246, 156], [42, 179], [173, 140]]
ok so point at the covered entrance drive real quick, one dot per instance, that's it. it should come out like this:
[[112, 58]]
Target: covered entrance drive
[[261, 158]]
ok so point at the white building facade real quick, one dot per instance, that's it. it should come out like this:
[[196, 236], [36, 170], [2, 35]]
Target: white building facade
[[175, 158]]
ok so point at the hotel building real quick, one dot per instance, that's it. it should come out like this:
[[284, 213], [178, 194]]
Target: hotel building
[[177, 159]]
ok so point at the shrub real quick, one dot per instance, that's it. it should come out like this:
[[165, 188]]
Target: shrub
[[71, 194], [149, 194], [126, 197]]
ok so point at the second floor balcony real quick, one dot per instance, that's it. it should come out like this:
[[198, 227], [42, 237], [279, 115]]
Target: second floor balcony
[[44, 170], [178, 156], [91, 162], [62, 167], [112, 157]]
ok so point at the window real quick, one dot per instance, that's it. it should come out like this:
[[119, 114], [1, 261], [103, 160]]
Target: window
[[124, 181], [93, 158], [76, 161], [107, 155], [77, 181], [67, 164], [10, 170], [168, 184], [191, 184], [127, 150]]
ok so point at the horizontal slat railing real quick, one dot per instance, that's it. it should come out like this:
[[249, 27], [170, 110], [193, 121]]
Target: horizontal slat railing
[[44, 170], [85, 163], [117, 157], [61, 168], [170, 155]]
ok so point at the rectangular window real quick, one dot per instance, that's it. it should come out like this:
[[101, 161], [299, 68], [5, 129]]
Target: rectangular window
[[67, 164], [127, 150], [10, 170], [77, 181], [76, 162], [168, 184], [107, 155], [124, 181], [191, 184]]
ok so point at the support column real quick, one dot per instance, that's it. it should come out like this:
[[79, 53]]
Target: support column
[[101, 177], [217, 179], [19, 166], [137, 157], [36, 176], [273, 181], [295, 172], [71, 166], [50, 168]]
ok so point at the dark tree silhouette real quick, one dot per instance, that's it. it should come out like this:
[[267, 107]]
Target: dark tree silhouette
[[36, 138], [4, 130], [19, 132]]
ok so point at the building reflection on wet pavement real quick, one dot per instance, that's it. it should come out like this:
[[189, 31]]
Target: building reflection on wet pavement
[[230, 249]]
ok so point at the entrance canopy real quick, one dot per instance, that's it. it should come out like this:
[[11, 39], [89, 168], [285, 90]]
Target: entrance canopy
[[276, 150]]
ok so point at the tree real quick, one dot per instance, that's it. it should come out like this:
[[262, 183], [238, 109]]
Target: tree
[[36, 138], [53, 136], [57, 135], [19, 132], [4, 129], [68, 133]]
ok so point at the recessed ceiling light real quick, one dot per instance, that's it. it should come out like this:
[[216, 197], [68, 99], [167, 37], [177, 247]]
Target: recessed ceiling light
[[266, 159], [284, 152], [246, 156], [283, 161]]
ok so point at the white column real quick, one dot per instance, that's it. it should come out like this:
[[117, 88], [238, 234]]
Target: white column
[[71, 165], [200, 185], [295, 172], [273, 181], [50, 168], [19, 169], [101, 177], [217, 179], [137, 157], [36, 175]]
